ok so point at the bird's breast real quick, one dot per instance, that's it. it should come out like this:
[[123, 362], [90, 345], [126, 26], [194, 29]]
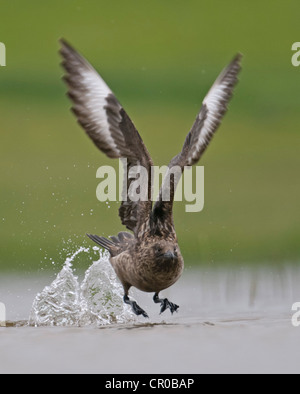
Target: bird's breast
[[156, 275], [147, 274]]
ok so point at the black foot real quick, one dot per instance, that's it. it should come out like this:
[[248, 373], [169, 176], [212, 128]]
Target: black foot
[[165, 303], [136, 309]]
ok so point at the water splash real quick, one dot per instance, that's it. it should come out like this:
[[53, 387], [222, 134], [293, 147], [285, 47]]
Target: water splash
[[98, 300]]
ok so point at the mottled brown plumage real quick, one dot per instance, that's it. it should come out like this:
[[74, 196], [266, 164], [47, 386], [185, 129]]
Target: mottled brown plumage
[[150, 258]]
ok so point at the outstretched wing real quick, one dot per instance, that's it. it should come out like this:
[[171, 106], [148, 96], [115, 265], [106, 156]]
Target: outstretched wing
[[103, 118], [209, 118]]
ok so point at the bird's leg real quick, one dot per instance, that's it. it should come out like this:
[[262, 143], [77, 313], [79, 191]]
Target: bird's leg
[[136, 309], [165, 303]]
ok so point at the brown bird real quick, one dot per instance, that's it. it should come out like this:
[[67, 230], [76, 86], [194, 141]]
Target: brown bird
[[150, 258]]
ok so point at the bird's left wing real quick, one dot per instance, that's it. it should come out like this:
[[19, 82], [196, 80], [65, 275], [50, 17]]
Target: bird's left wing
[[105, 121], [213, 108]]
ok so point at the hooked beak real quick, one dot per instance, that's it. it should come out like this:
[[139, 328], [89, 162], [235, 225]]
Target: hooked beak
[[169, 255]]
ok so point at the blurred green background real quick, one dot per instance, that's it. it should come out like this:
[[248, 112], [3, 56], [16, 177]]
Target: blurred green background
[[160, 58]]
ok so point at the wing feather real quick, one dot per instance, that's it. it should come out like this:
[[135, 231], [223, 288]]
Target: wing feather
[[105, 121], [214, 107]]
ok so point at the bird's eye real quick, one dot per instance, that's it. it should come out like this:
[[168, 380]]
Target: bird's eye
[[158, 249]]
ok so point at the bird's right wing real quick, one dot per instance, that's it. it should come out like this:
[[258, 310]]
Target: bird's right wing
[[213, 108], [105, 121]]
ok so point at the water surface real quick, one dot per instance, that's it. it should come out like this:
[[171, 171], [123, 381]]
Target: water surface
[[229, 320]]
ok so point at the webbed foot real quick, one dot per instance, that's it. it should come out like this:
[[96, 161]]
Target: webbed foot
[[135, 307], [165, 303]]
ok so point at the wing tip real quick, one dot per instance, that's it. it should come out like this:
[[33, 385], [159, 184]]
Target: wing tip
[[238, 57], [65, 44], [71, 57], [237, 61]]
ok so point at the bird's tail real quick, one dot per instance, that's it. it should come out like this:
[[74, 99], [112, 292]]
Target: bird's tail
[[104, 242]]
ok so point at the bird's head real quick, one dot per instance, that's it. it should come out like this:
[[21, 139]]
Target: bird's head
[[166, 251]]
